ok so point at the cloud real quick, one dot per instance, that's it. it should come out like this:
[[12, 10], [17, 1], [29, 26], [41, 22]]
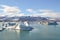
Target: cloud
[[15, 11], [46, 13], [29, 10], [10, 10], [49, 15], [16, 15]]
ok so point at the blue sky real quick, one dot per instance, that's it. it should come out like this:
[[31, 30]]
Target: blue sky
[[35, 5]]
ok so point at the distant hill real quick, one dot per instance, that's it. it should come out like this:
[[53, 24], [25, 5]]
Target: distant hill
[[22, 18], [26, 18]]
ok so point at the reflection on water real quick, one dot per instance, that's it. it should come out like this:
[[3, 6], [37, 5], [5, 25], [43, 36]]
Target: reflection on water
[[14, 35], [24, 35], [9, 35], [40, 32]]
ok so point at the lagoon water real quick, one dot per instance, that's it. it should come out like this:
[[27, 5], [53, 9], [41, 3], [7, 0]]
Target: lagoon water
[[40, 32]]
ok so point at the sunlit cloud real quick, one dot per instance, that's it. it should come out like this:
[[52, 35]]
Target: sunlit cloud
[[10, 10]]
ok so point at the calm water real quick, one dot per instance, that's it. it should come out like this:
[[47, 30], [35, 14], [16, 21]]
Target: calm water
[[40, 32]]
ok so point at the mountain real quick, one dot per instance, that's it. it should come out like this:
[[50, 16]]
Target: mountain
[[26, 18], [22, 18]]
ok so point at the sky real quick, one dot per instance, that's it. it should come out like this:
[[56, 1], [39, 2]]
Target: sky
[[46, 8]]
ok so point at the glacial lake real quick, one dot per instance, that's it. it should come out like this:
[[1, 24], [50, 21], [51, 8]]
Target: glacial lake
[[40, 32]]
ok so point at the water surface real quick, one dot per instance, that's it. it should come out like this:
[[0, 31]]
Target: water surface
[[40, 32]]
